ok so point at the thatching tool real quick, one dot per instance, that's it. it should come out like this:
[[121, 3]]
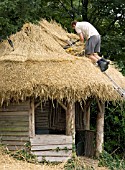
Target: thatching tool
[[116, 86], [70, 44], [10, 42]]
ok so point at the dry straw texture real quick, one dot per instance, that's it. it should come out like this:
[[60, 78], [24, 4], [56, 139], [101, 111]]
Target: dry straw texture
[[9, 163], [39, 66]]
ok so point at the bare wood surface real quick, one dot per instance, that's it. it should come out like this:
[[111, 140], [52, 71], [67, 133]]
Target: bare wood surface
[[53, 159], [50, 139], [61, 104], [14, 138], [87, 114], [22, 106], [14, 129], [15, 148], [89, 143], [13, 123], [50, 147], [14, 143], [70, 119], [60, 153], [22, 113], [42, 114], [14, 118], [100, 128], [6, 133], [32, 119]]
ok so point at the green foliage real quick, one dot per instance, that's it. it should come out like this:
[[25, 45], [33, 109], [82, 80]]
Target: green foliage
[[108, 20], [121, 65], [114, 136], [114, 127], [23, 155], [112, 163], [77, 164]]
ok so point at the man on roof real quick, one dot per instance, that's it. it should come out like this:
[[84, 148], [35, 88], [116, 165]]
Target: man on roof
[[87, 31]]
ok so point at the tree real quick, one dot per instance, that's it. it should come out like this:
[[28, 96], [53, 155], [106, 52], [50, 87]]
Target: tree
[[108, 16]]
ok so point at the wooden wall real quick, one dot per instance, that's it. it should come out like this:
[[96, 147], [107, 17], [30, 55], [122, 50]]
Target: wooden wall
[[14, 129], [14, 125], [50, 117], [42, 112], [79, 117], [52, 147]]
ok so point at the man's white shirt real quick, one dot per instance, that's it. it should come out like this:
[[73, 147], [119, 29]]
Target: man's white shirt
[[86, 28]]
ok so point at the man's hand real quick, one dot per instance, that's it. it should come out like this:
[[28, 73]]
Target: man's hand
[[81, 37]]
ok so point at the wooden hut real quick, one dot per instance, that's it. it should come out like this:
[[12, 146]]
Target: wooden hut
[[46, 94]]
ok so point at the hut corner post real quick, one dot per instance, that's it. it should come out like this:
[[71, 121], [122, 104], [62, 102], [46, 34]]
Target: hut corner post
[[70, 122], [100, 128], [87, 114], [32, 119]]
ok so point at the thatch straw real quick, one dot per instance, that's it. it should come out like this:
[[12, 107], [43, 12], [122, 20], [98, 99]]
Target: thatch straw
[[7, 162], [39, 66]]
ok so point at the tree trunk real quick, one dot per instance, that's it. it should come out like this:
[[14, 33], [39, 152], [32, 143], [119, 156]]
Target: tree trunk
[[100, 128], [84, 10], [32, 119], [87, 114], [70, 120]]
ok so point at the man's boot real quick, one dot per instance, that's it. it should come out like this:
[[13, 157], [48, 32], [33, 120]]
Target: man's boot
[[103, 64]]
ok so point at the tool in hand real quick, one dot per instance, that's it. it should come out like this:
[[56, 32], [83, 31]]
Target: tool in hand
[[10, 42], [70, 43]]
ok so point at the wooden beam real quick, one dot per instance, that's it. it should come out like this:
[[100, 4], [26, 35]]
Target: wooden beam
[[87, 114], [100, 128], [70, 121], [61, 104], [37, 104], [32, 118], [70, 118]]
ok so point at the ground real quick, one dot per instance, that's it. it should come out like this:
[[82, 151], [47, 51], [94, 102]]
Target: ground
[[9, 163]]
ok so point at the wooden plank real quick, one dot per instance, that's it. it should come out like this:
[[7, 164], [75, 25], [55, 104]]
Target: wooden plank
[[15, 118], [21, 113], [13, 143], [14, 138], [42, 124], [13, 123], [49, 147], [32, 119], [16, 107], [100, 128], [14, 129], [53, 159], [7, 133], [60, 153], [51, 139], [70, 120], [15, 148]]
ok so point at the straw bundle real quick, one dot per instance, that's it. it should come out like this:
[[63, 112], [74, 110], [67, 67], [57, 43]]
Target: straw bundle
[[39, 66]]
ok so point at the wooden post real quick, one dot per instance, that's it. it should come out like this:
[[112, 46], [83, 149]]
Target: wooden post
[[87, 114], [100, 128], [70, 120], [32, 119]]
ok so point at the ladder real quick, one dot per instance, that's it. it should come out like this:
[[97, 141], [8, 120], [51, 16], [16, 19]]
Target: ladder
[[116, 86]]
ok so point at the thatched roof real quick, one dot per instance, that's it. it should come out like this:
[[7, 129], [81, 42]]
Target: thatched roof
[[39, 66]]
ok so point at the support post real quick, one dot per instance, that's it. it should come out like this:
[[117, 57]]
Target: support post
[[70, 121], [32, 118], [100, 128], [87, 114]]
